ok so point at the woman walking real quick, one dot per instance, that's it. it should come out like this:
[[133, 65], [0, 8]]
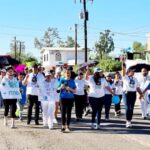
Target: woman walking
[[118, 83], [130, 86], [80, 97], [10, 94], [67, 88], [96, 95], [47, 96]]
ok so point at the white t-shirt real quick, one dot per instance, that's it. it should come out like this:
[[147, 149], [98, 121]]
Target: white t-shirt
[[80, 84], [97, 91], [144, 82], [111, 86], [33, 87], [130, 84], [118, 87], [47, 91]]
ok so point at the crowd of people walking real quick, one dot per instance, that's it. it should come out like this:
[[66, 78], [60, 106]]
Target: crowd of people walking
[[61, 89]]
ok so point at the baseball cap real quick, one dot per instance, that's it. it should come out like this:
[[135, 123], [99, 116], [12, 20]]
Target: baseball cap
[[97, 70], [3, 70], [47, 74]]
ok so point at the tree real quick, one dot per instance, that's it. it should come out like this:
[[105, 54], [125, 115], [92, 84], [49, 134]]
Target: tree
[[139, 47], [50, 38], [68, 43], [110, 65], [105, 44]]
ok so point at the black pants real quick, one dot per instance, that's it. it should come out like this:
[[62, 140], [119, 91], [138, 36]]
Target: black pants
[[10, 103], [117, 106], [33, 100], [66, 108], [108, 101], [80, 102], [97, 105], [130, 99]]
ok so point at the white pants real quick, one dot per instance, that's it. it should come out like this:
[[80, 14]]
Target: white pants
[[48, 113]]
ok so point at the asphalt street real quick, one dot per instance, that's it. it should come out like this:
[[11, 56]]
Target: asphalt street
[[112, 136]]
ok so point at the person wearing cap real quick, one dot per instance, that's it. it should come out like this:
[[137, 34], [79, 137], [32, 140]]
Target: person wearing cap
[[2, 75], [130, 87], [96, 95], [108, 95], [21, 102], [57, 79], [118, 83], [10, 93], [33, 81], [144, 80], [80, 97], [67, 88], [48, 97]]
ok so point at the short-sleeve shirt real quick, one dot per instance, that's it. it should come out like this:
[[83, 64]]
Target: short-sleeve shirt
[[80, 84], [111, 86], [130, 84], [97, 91], [33, 87], [67, 94]]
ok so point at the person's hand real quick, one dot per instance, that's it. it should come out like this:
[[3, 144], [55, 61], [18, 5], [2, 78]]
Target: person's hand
[[68, 88], [87, 67], [141, 97]]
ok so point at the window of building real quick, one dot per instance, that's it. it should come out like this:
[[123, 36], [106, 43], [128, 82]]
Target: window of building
[[44, 58], [47, 57], [58, 56]]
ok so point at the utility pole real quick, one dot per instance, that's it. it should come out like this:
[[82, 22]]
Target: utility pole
[[85, 28], [76, 44], [85, 17], [20, 48], [15, 47]]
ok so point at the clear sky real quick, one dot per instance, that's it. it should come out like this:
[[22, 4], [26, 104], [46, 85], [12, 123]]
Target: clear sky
[[129, 20]]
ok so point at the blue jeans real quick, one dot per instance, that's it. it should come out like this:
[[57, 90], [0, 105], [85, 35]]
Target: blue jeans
[[130, 99], [97, 105]]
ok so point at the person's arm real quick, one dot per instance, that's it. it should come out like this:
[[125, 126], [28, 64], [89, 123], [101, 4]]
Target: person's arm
[[73, 88], [87, 74], [123, 69], [110, 90], [25, 81]]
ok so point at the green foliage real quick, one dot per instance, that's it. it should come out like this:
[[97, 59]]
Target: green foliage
[[105, 44], [51, 36], [110, 65], [68, 43], [139, 47]]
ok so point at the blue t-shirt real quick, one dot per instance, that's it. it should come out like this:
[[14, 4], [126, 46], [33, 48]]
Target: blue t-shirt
[[64, 94], [23, 93]]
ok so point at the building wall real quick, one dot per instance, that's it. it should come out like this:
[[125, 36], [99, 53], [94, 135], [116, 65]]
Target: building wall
[[49, 57]]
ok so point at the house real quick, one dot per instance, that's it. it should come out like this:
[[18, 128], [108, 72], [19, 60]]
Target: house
[[54, 56]]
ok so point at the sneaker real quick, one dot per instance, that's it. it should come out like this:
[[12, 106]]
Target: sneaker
[[55, 121], [63, 129], [67, 130], [99, 126], [128, 124], [36, 123], [28, 122], [94, 126], [12, 126], [50, 127]]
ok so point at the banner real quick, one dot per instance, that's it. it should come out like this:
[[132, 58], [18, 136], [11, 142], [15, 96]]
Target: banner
[[10, 90]]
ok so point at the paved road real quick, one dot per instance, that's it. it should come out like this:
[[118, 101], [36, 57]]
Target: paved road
[[112, 136]]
